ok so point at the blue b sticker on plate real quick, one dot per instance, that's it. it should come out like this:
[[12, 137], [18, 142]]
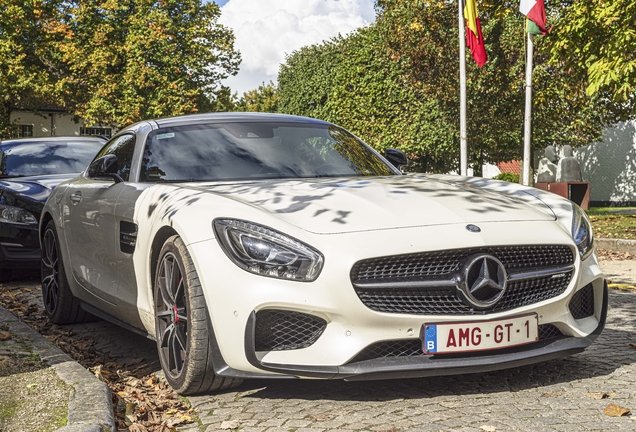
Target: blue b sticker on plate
[[430, 338]]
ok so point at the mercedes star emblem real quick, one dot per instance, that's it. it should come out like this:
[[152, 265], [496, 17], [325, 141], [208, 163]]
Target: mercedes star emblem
[[484, 281]]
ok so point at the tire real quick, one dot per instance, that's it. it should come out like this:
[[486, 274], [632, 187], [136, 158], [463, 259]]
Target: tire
[[59, 303], [5, 275], [182, 324]]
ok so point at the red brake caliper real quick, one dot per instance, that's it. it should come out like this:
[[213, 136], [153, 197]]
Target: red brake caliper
[[176, 316]]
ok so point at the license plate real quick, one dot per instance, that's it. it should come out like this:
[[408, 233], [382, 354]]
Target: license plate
[[447, 338]]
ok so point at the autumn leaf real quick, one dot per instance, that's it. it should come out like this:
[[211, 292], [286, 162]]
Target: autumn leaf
[[600, 395], [615, 411]]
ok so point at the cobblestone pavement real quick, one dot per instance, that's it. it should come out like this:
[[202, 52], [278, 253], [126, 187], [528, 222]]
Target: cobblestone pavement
[[557, 395]]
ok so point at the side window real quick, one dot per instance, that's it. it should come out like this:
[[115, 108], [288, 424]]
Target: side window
[[123, 147]]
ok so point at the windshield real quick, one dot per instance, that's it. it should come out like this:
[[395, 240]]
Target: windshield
[[32, 158], [238, 151]]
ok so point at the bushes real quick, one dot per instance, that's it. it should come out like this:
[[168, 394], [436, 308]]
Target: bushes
[[507, 176]]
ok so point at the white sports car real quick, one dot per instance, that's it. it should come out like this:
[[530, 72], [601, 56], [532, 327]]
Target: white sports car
[[273, 246]]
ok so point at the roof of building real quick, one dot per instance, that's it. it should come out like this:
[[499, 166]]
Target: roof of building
[[510, 167]]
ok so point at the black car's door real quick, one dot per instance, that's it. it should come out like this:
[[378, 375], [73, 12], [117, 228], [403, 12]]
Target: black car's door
[[91, 227]]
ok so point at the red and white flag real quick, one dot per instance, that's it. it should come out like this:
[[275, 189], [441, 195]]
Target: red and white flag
[[535, 11]]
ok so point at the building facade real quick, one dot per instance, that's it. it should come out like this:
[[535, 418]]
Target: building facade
[[53, 123], [610, 167]]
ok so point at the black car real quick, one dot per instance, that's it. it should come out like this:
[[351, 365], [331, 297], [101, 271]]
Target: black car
[[29, 170]]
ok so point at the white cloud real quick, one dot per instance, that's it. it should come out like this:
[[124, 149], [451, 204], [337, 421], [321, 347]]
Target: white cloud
[[266, 30]]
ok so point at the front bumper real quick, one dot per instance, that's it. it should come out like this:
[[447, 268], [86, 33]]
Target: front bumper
[[432, 365], [19, 246], [236, 298]]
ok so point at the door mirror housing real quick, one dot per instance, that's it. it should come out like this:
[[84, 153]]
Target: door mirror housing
[[396, 157], [105, 167]]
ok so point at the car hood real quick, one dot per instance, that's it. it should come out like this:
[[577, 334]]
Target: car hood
[[33, 188], [330, 206]]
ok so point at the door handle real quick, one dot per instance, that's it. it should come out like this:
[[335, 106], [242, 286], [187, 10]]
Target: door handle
[[76, 197]]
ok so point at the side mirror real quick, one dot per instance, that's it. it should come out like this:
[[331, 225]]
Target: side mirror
[[396, 157], [105, 166]]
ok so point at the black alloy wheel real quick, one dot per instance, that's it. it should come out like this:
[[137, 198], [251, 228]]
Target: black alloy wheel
[[50, 273], [172, 314], [59, 303]]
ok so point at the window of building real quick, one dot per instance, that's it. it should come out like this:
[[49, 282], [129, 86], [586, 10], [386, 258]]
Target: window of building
[[25, 131], [100, 131]]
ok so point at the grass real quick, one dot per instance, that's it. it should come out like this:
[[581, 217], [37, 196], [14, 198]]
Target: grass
[[608, 223], [8, 409]]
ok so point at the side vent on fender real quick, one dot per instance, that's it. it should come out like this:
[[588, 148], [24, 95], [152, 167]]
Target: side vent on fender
[[127, 236]]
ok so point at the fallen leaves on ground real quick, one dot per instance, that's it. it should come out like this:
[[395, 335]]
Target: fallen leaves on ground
[[488, 428], [631, 345], [142, 402], [621, 287], [615, 411], [600, 395], [610, 254], [4, 336]]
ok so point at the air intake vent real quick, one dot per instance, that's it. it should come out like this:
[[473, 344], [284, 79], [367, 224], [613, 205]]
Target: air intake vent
[[582, 303], [278, 330]]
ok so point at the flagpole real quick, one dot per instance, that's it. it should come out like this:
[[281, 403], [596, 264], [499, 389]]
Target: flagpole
[[463, 141], [528, 114]]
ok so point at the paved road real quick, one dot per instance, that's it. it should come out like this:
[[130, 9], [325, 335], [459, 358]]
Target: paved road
[[548, 396]]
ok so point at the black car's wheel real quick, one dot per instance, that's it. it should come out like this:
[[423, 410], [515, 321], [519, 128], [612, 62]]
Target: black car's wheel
[[59, 303], [183, 327], [5, 275]]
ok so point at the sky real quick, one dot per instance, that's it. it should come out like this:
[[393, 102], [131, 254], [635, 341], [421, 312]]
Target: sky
[[266, 30]]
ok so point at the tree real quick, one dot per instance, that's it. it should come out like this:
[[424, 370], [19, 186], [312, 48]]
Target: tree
[[596, 40], [353, 82], [263, 99], [29, 64], [133, 59], [396, 84], [426, 34]]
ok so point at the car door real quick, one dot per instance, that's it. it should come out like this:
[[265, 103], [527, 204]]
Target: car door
[[91, 228]]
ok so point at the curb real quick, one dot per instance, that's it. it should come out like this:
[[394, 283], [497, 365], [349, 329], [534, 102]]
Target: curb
[[89, 406], [617, 245]]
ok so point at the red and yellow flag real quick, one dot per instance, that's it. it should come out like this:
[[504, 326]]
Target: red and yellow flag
[[474, 38]]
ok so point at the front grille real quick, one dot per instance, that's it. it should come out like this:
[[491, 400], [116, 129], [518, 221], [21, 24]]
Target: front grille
[[444, 301], [435, 299], [278, 330], [420, 266], [582, 303], [413, 347], [397, 348]]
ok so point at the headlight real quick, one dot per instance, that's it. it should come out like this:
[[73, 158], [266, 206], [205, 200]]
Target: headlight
[[16, 215], [266, 252], [582, 232]]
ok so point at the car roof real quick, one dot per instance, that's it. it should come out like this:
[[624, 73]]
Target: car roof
[[41, 140], [234, 117]]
